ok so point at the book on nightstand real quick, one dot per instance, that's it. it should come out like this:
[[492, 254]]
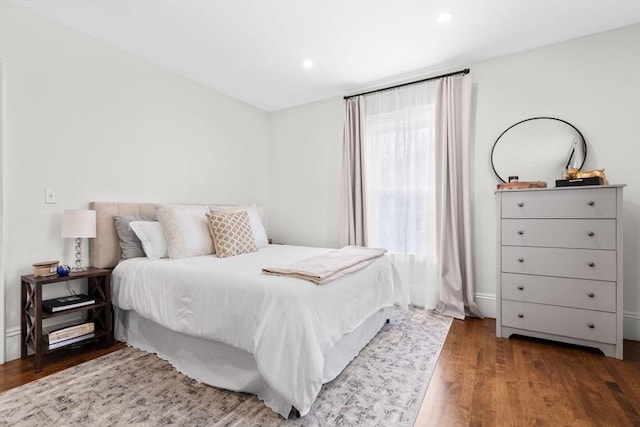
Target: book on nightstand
[[67, 303], [71, 340], [61, 332]]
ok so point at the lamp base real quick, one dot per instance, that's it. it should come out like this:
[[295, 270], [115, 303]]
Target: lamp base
[[78, 268]]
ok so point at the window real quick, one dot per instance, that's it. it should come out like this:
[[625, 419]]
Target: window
[[399, 135]]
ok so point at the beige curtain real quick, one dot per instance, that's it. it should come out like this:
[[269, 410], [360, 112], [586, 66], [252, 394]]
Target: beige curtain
[[353, 221], [453, 186]]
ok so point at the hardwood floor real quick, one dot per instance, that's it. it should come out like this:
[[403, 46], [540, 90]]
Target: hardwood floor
[[481, 380], [19, 372]]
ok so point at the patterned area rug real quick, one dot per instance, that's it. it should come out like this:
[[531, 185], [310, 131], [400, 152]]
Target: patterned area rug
[[383, 386]]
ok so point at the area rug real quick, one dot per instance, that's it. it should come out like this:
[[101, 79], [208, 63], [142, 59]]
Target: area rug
[[383, 386]]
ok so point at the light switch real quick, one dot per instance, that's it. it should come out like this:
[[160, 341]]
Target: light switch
[[50, 196]]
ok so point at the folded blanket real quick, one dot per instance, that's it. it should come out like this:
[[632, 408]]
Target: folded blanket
[[330, 266]]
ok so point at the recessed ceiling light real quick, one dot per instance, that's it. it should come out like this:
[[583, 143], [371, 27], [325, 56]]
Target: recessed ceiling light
[[445, 17], [307, 63]]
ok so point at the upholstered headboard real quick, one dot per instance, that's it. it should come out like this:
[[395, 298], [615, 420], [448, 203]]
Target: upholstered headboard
[[105, 248]]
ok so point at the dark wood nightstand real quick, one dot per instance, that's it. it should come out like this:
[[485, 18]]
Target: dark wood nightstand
[[99, 287]]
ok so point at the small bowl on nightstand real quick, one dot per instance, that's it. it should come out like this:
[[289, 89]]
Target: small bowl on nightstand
[[63, 270]]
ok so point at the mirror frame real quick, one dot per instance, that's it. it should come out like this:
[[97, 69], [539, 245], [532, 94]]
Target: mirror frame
[[584, 143]]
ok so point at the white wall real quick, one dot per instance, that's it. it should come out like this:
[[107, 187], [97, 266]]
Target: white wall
[[95, 123], [305, 155], [592, 82]]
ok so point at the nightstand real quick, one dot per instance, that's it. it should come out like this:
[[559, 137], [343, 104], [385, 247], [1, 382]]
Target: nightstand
[[99, 287]]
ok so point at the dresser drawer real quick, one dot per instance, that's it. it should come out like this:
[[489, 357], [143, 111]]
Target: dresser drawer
[[560, 233], [575, 263], [587, 294], [575, 203], [573, 322]]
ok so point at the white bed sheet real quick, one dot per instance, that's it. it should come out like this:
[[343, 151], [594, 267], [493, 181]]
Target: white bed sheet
[[286, 324]]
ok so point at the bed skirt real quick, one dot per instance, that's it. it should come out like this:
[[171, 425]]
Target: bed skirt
[[221, 365]]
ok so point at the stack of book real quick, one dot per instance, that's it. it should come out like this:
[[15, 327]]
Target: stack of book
[[68, 333], [66, 303]]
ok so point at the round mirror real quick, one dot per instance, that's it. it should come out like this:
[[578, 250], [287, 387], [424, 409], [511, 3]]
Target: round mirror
[[538, 149]]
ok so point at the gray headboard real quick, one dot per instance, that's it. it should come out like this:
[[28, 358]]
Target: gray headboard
[[105, 248]]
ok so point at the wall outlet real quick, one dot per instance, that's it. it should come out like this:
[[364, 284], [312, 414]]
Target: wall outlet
[[50, 196]]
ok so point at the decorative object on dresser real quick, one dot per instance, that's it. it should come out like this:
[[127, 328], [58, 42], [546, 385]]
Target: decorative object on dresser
[[560, 265], [538, 149], [520, 185], [574, 177], [78, 224], [33, 335]]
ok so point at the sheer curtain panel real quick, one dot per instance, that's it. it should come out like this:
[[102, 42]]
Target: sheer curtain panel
[[399, 131]]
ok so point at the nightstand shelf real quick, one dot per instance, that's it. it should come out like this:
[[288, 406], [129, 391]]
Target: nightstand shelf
[[99, 287]]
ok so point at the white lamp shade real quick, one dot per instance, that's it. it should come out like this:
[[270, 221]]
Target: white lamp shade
[[78, 223]]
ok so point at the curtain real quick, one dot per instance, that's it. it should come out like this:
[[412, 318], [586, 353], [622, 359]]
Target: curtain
[[453, 184], [353, 221], [399, 130]]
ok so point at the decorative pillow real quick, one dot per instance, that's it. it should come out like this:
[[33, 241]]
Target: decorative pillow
[[186, 230], [152, 238], [259, 233], [231, 233], [129, 242]]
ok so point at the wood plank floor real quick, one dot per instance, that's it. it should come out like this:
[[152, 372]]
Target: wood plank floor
[[481, 380], [19, 372]]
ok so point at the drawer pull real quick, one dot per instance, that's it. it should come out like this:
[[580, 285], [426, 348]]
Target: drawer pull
[[520, 259], [592, 264], [521, 204], [521, 288], [591, 234], [520, 315], [591, 326], [591, 295], [591, 203], [520, 232]]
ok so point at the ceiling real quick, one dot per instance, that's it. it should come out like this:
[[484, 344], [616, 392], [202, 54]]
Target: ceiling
[[254, 50]]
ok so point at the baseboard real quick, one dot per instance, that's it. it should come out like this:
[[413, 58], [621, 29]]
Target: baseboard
[[631, 325], [12, 344], [487, 304], [631, 319]]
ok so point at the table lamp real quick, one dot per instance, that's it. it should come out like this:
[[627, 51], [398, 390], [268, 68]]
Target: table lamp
[[78, 224]]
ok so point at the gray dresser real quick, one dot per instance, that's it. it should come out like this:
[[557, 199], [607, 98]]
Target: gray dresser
[[560, 265]]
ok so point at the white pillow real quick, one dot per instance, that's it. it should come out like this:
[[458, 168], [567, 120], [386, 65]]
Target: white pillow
[[186, 230], [152, 238], [259, 233]]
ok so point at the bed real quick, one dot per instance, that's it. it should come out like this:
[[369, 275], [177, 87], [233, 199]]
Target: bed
[[224, 323]]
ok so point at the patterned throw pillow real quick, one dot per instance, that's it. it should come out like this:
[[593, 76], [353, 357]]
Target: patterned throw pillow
[[231, 232]]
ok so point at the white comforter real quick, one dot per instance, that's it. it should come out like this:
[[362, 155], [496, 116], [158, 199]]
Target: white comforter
[[286, 323]]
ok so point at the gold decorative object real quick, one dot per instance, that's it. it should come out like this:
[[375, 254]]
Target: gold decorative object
[[575, 173]]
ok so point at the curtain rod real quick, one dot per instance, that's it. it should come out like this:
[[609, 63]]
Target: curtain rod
[[465, 71]]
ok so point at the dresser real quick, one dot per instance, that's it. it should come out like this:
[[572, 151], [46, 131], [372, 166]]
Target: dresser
[[560, 265]]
